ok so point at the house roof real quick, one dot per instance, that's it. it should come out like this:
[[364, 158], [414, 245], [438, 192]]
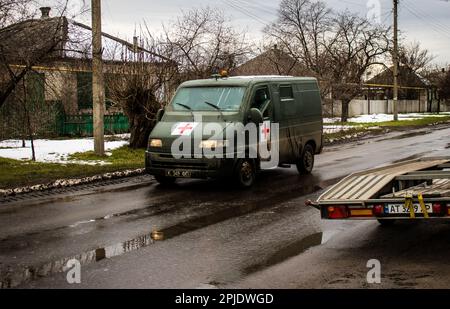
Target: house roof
[[30, 38], [66, 38], [406, 78], [271, 62]]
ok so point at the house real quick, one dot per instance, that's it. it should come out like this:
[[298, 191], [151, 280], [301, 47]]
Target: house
[[411, 85], [271, 62], [59, 83]]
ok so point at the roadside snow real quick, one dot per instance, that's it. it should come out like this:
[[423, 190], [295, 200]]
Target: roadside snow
[[56, 151], [328, 129], [385, 117]]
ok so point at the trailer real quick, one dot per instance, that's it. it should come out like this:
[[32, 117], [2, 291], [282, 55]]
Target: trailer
[[408, 190]]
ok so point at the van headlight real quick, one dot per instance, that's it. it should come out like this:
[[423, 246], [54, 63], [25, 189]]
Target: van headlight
[[155, 142], [213, 144]]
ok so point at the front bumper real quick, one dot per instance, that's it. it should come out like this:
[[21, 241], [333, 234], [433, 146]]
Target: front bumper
[[158, 164]]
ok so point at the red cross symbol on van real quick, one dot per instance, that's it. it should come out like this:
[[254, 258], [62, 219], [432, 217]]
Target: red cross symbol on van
[[184, 128], [265, 131]]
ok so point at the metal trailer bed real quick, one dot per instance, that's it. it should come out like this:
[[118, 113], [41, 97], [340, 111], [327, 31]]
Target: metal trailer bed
[[398, 191]]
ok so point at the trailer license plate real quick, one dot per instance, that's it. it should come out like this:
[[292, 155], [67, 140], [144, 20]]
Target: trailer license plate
[[178, 173], [402, 209]]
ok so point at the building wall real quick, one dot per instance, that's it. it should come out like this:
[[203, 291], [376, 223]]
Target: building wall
[[62, 86], [364, 107]]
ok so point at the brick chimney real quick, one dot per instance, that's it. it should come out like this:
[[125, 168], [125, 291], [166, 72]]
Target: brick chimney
[[45, 11]]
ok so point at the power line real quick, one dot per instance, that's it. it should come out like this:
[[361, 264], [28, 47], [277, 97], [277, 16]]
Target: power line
[[261, 7], [432, 20], [434, 27], [244, 11]]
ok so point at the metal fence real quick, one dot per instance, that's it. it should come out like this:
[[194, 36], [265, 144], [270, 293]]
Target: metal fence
[[82, 125]]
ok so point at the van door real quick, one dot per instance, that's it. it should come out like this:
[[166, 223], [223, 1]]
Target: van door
[[262, 101], [288, 112]]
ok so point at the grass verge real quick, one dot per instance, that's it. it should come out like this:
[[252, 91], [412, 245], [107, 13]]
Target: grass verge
[[15, 173], [375, 127]]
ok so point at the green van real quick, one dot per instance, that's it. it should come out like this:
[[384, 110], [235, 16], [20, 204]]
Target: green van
[[231, 105]]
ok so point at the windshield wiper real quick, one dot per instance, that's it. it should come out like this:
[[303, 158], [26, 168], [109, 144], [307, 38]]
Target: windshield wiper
[[188, 108], [217, 108]]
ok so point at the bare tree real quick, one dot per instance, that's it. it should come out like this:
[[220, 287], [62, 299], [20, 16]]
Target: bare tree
[[301, 31], [13, 11], [414, 57], [355, 46], [141, 85], [202, 41], [337, 48], [196, 45]]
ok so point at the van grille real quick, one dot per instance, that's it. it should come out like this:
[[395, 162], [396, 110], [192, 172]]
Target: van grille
[[180, 164]]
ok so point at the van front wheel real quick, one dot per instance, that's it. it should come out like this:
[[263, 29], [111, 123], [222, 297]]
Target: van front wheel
[[244, 173], [306, 162]]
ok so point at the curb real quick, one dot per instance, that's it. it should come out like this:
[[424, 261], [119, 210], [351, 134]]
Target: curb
[[64, 183]]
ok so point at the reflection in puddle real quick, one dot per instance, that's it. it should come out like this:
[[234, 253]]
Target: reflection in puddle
[[12, 276]]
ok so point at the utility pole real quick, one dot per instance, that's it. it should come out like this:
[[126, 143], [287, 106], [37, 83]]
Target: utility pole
[[98, 83], [395, 60]]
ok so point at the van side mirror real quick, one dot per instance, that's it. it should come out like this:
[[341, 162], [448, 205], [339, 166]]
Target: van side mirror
[[159, 114], [256, 116]]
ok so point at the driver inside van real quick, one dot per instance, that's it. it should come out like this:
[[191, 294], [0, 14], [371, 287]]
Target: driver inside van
[[261, 101]]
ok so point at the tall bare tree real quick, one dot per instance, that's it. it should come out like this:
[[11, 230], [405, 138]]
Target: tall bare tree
[[355, 46], [301, 30], [141, 85], [197, 44], [202, 41], [337, 48], [414, 57]]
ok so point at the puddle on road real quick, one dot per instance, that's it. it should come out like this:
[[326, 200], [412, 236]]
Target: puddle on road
[[291, 250], [14, 276], [411, 134]]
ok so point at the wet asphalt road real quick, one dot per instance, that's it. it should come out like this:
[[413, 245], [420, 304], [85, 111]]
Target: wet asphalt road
[[219, 236]]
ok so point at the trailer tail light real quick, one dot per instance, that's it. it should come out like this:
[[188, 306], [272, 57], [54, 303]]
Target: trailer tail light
[[338, 212], [437, 208], [378, 210]]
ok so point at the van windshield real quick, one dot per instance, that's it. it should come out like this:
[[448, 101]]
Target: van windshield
[[225, 98]]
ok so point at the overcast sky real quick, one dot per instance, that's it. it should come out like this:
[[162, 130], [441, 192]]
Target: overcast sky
[[425, 21]]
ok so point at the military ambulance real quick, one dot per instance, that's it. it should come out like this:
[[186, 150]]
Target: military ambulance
[[292, 103]]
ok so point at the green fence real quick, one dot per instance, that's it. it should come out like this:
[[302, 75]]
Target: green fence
[[82, 125]]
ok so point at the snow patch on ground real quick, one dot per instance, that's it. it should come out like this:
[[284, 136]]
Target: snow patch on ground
[[329, 129], [54, 151]]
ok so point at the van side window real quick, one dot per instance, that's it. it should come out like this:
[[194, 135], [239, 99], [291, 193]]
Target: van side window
[[286, 93], [261, 98]]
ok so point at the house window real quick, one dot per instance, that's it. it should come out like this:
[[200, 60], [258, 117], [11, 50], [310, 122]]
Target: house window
[[84, 90]]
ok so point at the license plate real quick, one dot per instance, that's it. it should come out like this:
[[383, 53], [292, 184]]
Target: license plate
[[402, 209], [178, 173]]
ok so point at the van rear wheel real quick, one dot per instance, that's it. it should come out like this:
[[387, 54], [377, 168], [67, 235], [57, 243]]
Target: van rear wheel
[[245, 173], [164, 180], [306, 162]]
